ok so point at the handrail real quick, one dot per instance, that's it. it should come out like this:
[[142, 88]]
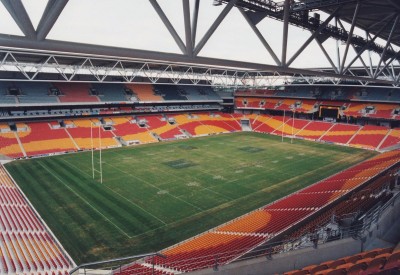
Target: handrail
[[116, 260]]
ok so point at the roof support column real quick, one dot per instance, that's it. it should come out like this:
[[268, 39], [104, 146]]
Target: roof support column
[[194, 21], [286, 15], [18, 12], [188, 29]]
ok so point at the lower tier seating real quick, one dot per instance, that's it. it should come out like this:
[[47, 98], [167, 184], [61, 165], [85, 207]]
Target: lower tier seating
[[38, 138], [233, 239], [376, 261], [26, 246]]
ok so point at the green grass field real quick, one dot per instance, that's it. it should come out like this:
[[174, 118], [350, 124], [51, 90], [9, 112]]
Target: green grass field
[[156, 195]]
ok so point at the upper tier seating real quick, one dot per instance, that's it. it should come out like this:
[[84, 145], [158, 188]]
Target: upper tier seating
[[306, 106], [170, 92], [240, 102], [333, 93], [265, 92], [145, 92], [371, 94], [287, 104], [35, 92], [297, 91], [395, 95], [27, 246], [199, 93], [75, 92], [383, 111], [107, 92], [6, 99], [224, 93]]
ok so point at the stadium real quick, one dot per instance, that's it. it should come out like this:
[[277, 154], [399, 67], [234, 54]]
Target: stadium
[[199, 137]]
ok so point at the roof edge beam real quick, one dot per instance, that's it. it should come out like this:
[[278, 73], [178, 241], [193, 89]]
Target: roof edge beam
[[81, 50]]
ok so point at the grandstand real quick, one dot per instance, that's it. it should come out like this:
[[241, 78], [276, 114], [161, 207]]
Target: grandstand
[[210, 155]]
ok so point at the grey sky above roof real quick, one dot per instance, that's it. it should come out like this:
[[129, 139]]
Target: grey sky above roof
[[135, 24]]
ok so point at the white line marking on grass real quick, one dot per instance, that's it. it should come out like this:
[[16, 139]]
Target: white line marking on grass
[[125, 198], [215, 192], [152, 185], [88, 203]]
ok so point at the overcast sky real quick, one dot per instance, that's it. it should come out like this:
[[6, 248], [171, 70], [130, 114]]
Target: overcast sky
[[135, 24]]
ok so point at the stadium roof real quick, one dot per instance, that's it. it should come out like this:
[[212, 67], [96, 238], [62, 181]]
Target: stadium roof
[[285, 54]]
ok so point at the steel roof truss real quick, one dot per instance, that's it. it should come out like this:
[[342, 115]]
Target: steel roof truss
[[383, 55], [321, 46], [20, 67], [370, 41], [214, 26], [260, 36], [313, 35], [350, 35], [168, 25]]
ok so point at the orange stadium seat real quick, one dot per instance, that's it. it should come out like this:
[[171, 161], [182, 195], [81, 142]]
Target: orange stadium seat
[[82, 134], [369, 137], [129, 131], [75, 92], [40, 139], [145, 92], [392, 139], [314, 130], [9, 145], [27, 247], [340, 133]]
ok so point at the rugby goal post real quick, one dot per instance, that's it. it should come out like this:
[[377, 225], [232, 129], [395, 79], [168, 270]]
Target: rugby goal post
[[95, 170]]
